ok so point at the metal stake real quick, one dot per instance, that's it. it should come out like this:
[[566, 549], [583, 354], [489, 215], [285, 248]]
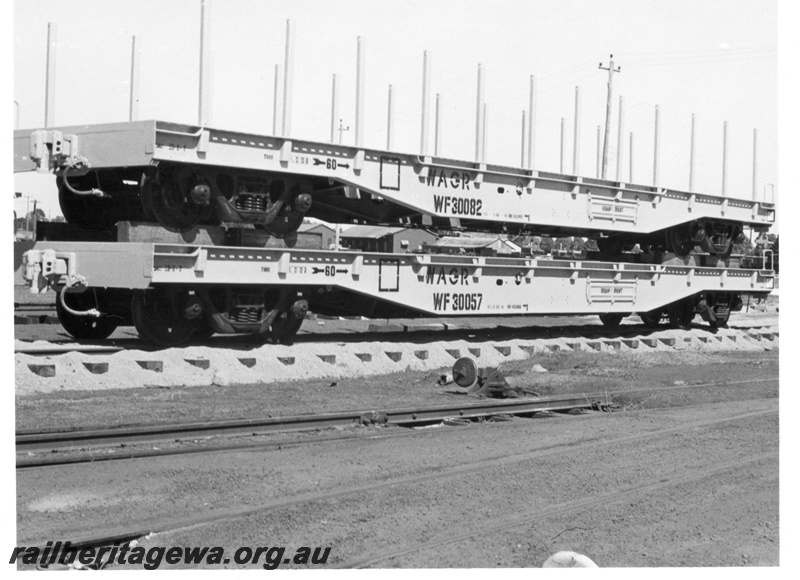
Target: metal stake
[[136, 56], [50, 78], [288, 77], [426, 82], [360, 92]]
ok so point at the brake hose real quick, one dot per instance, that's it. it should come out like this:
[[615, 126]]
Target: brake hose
[[93, 312], [93, 191]]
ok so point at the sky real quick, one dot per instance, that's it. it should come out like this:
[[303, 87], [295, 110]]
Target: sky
[[716, 59]]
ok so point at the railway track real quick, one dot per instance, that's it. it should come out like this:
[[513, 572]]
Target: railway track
[[58, 447], [569, 329], [54, 448], [567, 448]]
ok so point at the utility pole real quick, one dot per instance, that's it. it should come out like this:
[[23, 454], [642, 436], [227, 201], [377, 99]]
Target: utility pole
[[611, 70]]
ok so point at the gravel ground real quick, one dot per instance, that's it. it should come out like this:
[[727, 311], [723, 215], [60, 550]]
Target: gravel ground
[[666, 481], [686, 474]]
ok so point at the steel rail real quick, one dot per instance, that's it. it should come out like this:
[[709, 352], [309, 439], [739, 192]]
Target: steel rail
[[55, 441], [125, 535]]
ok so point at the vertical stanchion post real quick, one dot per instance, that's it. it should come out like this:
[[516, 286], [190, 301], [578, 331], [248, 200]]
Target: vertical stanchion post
[[724, 158], [334, 109], [426, 87], [202, 106], [522, 149], [532, 123], [620, 137], [136, 56], [50, 76], [438, 129], [655, 152], [630, 159], [691, 155], [479, 118], [755, 161], [389, 121], [561, 149], [360, 92], [288, 78], [576, 132], [276, 101]]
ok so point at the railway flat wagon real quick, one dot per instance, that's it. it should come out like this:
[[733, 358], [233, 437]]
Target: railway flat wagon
[[175, 293], [163, 179], [181, 176]]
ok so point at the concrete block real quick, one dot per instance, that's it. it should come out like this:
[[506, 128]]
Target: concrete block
[[651, 342], [553, 347], [631, 342], [421, 354], [476, 352], [667, 341], [43, 370], [575, 345], [504, 350], [201, 363], [157, 366], [96, 368], [248, 362], [286, 360], [364, 356], [328, 358], [615, 344], [530, 349], [395, 356], [453, 352]]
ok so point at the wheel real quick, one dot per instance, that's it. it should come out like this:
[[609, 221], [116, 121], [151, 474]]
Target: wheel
[[651, 319], [679, 241], [87, 211], [680, 316], [720, 322], [465, 372], [83, 327], [167, 198], [284, 328], [158, 318], [285, 225], [611, 319]]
